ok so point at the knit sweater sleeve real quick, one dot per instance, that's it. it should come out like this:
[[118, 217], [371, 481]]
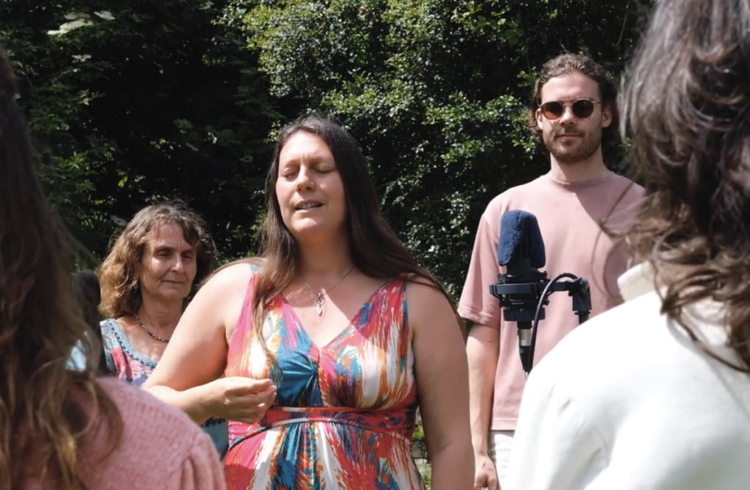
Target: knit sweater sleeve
[[201, 469]]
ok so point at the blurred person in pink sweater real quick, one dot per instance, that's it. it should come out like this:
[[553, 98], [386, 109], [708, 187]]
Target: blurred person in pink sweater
[[61, 428]]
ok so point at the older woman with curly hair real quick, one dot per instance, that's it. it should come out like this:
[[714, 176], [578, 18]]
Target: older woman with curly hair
[[152, 270]]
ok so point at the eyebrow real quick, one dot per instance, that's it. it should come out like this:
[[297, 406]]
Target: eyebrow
[[168, 248], [312, 159]]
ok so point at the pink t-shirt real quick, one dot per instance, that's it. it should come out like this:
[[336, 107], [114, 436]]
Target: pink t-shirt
[[569, 217], [160, 448]]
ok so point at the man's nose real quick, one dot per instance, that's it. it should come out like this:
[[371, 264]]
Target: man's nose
[[568, 117]]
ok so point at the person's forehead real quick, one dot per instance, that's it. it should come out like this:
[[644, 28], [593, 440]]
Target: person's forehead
[[170, 236], [304, 144], [570, 86]]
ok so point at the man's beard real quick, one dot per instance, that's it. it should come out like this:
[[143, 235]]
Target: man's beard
[[579, 152]]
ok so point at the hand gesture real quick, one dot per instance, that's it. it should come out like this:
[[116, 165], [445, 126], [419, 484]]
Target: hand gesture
[[241, 399]]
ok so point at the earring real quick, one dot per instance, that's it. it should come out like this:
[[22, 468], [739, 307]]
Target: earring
[[135, 288]]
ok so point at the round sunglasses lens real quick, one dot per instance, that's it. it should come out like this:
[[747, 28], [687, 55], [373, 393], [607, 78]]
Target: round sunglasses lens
[[583, 108], [552, 110]]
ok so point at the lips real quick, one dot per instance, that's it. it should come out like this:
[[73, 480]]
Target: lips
[[305, 205]]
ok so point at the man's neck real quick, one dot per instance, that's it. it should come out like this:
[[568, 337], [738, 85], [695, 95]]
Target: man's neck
[[577, 172]]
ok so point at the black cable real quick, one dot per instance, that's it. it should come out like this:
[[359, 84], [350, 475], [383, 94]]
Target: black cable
[[542, 300]]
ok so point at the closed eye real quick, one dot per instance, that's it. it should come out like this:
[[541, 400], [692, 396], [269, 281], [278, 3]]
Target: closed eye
[[289, 173]]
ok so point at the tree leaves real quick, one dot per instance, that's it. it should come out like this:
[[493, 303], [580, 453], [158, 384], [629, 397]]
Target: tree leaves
[[435, 91], [134, 101], [138, 100]]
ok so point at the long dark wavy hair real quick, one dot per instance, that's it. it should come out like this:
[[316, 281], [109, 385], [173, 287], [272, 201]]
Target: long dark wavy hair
[[687, 105], [118, 273], [565, 64], [47, 412], [374, 248]]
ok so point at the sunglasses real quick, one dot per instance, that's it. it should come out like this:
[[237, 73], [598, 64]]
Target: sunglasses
[[582, 108]]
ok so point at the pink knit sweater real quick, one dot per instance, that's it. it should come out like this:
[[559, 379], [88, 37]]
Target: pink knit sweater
[[161, 449]]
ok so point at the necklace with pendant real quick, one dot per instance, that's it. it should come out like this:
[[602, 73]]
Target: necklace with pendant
[[152, 335], [319, 299]]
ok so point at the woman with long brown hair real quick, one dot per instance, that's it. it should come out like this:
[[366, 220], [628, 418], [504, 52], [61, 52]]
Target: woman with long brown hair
[[62, 428], [656, 392], [329, 347]]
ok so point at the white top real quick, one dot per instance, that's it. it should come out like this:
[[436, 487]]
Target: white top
[[628, 401]]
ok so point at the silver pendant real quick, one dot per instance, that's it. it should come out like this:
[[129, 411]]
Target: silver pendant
[[319, 304]]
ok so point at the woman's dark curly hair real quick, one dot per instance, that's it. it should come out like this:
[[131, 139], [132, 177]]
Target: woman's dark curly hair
[[687, 106]]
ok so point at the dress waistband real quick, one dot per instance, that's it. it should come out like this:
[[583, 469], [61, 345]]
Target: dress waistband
[[391, 423]]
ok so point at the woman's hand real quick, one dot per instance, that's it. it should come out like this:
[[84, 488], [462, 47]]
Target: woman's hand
[[240, 399], [196, 387]]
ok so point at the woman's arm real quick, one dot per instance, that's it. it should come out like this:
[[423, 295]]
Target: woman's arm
[[443, 385], [188, 376]]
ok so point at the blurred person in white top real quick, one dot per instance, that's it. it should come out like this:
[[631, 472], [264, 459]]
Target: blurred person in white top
[[655, 394]]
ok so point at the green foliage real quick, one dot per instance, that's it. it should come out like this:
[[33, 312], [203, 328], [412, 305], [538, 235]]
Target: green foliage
[[434, 90], [133, 101], [137, 101], [418, 432]]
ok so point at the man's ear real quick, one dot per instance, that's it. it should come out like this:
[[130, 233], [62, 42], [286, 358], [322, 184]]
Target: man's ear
[[539, 119], [606, 116]]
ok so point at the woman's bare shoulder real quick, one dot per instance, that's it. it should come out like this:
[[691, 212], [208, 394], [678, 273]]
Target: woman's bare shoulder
[[233, 276]]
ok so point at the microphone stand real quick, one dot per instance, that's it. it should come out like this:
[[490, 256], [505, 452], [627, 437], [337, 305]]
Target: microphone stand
[[523, 293]]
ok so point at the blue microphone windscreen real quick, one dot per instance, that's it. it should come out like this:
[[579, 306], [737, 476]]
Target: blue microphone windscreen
[[520, 237]]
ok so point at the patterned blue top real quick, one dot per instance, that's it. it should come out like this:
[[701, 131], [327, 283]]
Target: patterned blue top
[[129, 365]]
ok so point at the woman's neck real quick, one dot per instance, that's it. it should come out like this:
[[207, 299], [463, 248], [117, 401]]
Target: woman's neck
[[162, 316], [321, 263]]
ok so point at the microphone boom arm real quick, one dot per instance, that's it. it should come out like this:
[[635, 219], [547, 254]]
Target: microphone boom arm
[[524, 296]]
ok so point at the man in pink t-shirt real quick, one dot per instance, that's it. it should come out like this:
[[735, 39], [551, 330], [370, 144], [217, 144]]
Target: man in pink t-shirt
[[574, 112]]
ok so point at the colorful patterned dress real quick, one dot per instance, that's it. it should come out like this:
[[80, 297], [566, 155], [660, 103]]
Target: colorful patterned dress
[[126, 363], [344, 413]]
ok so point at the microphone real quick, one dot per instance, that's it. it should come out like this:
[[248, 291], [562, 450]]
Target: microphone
[[521, 251], [523, 290], [521, 246]]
